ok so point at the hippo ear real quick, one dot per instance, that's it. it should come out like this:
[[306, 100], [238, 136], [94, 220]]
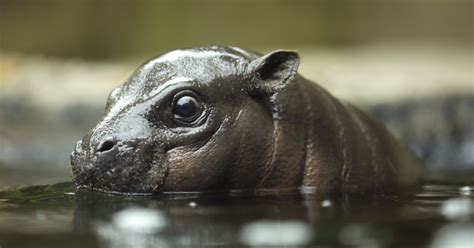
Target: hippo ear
[[273, 72]]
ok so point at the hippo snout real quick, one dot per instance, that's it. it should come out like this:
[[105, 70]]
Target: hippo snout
[[88, 159], [110, 164], [91, 155]]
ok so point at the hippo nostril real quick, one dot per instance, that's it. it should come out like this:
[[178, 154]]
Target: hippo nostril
[[105, 146]]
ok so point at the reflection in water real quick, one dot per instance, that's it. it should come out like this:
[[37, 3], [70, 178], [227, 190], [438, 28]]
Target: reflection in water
[[192, 220], [467, 190], [437, 216], [358, 235], [139, 220], [458, 208], [459, 235], [276, 233], [326, 203], [133, 227]]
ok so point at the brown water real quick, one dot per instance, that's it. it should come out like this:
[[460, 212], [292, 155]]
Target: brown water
[[57, 216]]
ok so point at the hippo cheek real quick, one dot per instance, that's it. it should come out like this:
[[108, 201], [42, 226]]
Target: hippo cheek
[[125, 168], [200, 166], [194, 171]]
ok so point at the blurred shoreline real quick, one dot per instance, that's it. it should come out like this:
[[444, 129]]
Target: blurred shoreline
[[381, 72]]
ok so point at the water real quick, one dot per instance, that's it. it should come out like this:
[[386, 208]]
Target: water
[[57, 216]]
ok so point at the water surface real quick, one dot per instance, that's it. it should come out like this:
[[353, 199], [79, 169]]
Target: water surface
[[58, 216]]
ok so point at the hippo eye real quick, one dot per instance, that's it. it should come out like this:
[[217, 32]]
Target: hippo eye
[[186, 107]]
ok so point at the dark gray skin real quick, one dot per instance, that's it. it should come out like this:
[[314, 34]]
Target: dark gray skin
[[222, 118]]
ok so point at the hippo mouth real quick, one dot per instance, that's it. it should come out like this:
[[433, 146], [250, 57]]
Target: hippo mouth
[[123, 169]]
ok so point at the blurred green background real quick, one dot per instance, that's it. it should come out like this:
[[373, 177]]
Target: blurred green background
[[111, 29], [60, 59]]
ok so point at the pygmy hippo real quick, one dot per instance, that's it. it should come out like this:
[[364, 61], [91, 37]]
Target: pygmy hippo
[[222, 118]]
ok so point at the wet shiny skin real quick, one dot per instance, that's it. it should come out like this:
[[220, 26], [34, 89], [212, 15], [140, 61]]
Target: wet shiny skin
[[259, 125]]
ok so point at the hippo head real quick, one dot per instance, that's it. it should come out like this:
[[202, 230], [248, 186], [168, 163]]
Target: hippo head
[[190, 120]]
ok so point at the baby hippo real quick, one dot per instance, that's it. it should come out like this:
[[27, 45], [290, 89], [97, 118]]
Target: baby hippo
[[222, 118]]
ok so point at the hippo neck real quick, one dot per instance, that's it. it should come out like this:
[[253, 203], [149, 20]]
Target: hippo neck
[[343, 146], [307, 147], [286, 167]]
